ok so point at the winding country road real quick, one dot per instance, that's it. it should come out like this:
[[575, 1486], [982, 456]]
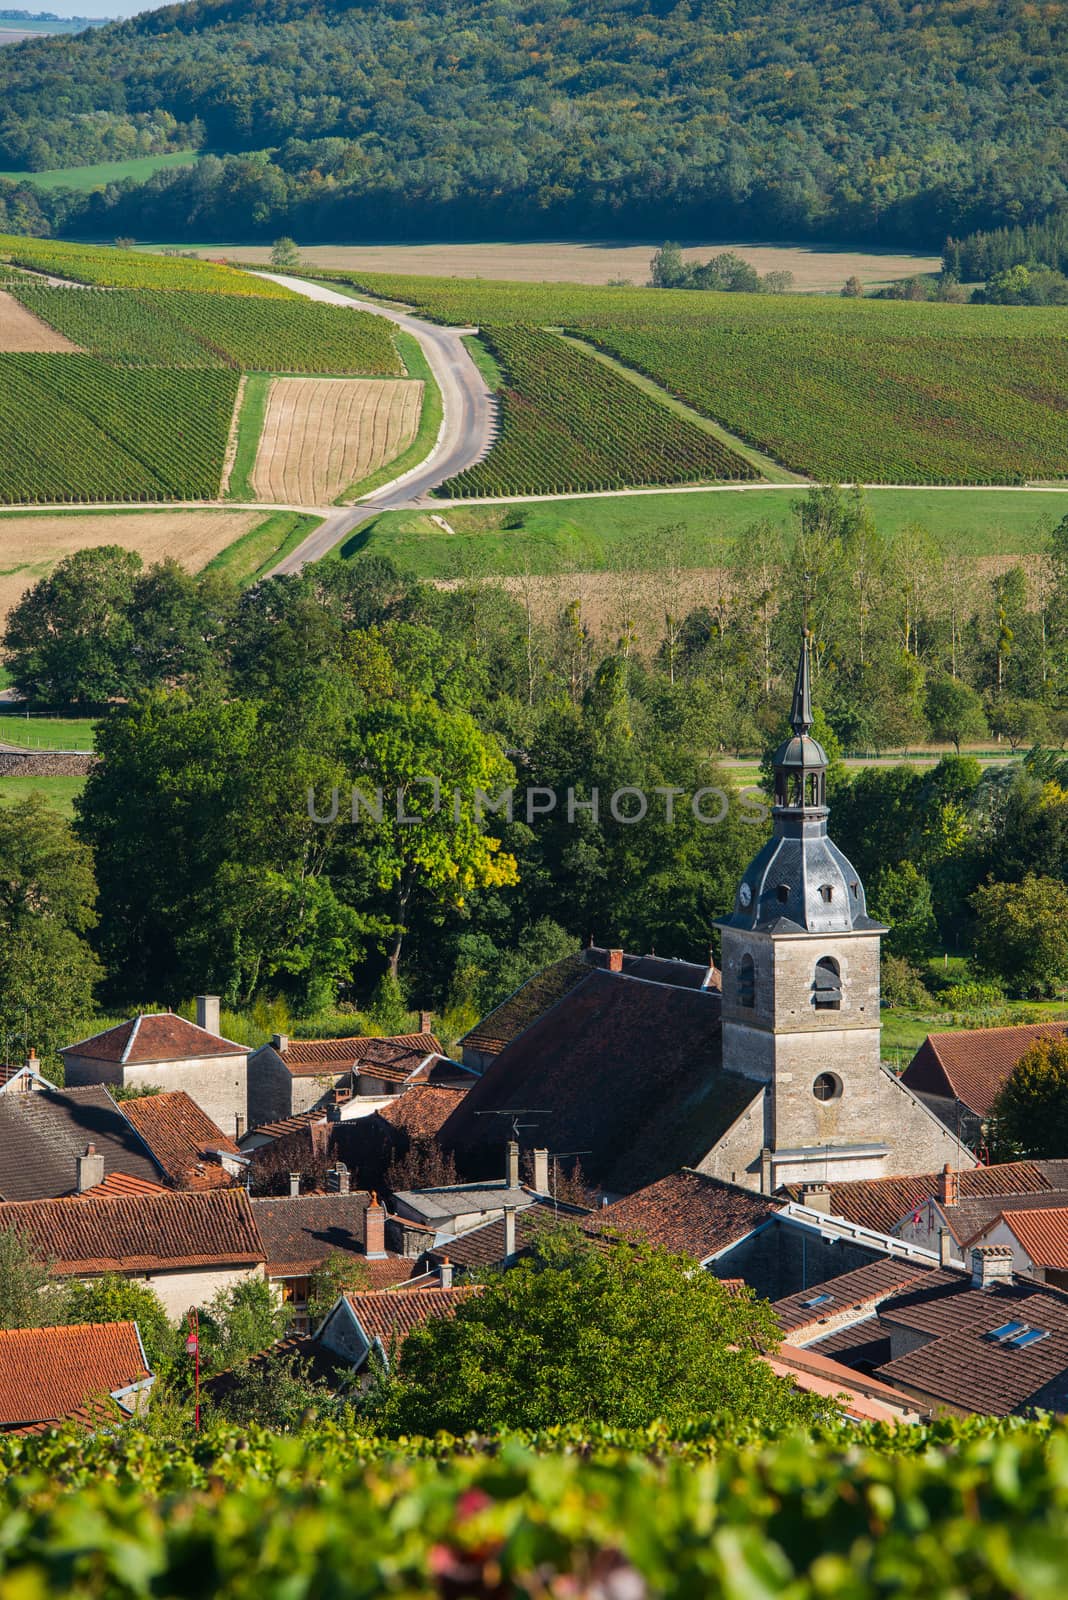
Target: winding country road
[[466, 433]]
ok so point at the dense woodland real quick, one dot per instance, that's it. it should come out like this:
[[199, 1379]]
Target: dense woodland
[[870, 121], [211, 872]]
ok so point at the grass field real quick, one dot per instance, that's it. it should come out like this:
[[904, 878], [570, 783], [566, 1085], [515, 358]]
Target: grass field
[[597, 533], [320, 435], [139, 168], [815, 268], [110, 268], [252, 556], [60, 793], [46, 733]]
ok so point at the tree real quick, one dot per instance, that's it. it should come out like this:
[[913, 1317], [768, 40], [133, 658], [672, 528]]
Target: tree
[[1019, 721], [621, 1335], [852, 289], [113, 1298], [901, 897], [279, 1393], [954, 711], [70, 638], [238, 1322], [424, 1165], [1030, 1111], [1021, 934], [338, 1274], [29, 1297], [667, 270], [285, 255]]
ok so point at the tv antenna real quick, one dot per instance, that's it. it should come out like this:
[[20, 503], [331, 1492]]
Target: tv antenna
[[523, 1111]]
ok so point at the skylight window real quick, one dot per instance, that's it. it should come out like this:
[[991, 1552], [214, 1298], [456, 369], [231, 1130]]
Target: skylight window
[[1008, 1330], [817, 1300], [1024, 1341]]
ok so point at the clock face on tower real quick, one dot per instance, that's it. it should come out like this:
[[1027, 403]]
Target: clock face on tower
[[745, 894]]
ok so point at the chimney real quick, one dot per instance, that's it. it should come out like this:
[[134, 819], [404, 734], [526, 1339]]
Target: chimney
[[615, 961], [337, 1179], [765, 1170], [90, 1169], [511, 1168], [991, 1264], [945, 1247], [239, 1126], [949, 1186], [208, 1012], [280, 1041], [425, 1020], [817, 1196], [541, 1172], [374, 1230], [445, 1270], [294, 1184], [509, 1232]]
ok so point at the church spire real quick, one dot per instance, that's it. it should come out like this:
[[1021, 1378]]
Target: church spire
[[801, 710]]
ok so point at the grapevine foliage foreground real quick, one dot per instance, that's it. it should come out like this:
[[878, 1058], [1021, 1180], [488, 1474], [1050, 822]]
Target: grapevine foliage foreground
[[958, 1509]]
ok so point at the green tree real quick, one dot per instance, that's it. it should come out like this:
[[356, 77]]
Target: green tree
[[901, 897], [285, 255], [338, 1274], [113, 1298], [281, 1393], [1030, 1111], [954, 711], [29, 1296], [852, 289], [1021, 934], [238, 1322], [1018, 720], [622, 1335], [70, 638]]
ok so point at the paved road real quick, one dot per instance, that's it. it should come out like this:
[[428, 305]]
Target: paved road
[[466, 433]]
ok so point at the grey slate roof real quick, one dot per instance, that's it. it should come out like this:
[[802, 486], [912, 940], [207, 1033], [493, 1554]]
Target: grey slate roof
[[440, 1204], [43, 1132]]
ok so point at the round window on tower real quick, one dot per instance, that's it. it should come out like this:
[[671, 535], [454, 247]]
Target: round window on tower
[[827, 1086]]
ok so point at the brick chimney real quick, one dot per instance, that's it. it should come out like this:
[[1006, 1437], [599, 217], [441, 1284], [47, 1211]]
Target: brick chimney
[[511, 1166], [90, 1168], [509, 1232], [425, 1022], [765, 1170], [208, 1012], [280, 1041], [817, 1196], [337, 1179], [615, 961], [945, 1247], [541, 1172], [239, 1126], [445, 1271], [991, 1264], [294, 1184], [374, 1230], [949, 1186]]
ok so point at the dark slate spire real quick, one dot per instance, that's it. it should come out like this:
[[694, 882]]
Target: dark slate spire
[[801, 710]]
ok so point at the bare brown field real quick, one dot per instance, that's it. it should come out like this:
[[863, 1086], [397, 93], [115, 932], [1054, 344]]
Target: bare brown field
[[815, 270], [321, 435], [30, 546], [20, 330]]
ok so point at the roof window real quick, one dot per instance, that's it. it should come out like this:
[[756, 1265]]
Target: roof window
[[817, 1300]]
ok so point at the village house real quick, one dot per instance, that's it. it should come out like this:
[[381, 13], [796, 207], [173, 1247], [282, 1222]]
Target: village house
[[192, 1151], [291, 1076], [185, 1247], [359, 1324], [95, 1374], [1037, 1236], [162, 1051], [61, 1141], [958, 1075]]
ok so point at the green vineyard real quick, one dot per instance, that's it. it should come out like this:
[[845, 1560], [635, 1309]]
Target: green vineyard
[[874, 391], [76, 429], [568, 422], [131, 269], [181, 328]]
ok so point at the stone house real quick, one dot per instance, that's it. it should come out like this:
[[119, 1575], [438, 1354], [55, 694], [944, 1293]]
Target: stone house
[[163, 1051], [291, 1076]]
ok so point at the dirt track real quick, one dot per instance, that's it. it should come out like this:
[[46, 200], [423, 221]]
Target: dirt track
[[20, 330]]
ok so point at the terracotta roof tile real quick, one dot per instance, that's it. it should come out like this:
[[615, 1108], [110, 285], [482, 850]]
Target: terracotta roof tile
[[117, 1186], [149, 1233], [286, 1125], [181, 1137], [687, 1213], [314, 1057], [858, 1290], [47, 1374], [154, 1037], [43, 1133], [972, 1064], [881, 1203], [1043, 1233], [391, 1317], [626, 1070], [863, 1399], [484, 1247], [300, 1231], [421, 1110]]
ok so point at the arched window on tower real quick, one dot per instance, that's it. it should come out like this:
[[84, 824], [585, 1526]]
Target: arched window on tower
[[747, 983], [827, 985]]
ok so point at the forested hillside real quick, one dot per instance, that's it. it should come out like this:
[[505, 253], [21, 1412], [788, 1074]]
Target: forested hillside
[[866, 120]]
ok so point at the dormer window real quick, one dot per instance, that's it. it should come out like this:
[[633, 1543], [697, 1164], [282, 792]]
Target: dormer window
[[827, 985], [826, 893], [783, 892], [747, 983]]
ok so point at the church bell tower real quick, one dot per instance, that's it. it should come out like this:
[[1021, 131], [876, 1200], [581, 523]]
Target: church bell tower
[[801, 980]]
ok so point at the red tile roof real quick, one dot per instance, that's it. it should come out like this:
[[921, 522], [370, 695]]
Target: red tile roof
[[861, 1398], [181, 1136], [626, 1070], [881, 1203], [1043, 1233], [861, 1289], [315, 1057], [47, 1374], [287, 1125], [300, 1231], [118, 1185], [686, 1213], [971, 1065], [390, 1318], [149, 1233], [421, 1110], [154, 1037]]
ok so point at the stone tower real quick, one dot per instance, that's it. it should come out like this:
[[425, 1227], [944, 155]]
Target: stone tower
[[801, 981]]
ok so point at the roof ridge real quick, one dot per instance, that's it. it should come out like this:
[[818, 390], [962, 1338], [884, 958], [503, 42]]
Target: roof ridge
[[134, 1031]]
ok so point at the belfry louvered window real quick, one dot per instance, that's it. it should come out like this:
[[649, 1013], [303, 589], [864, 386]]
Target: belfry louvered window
[[747, 983], [827, 986]]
